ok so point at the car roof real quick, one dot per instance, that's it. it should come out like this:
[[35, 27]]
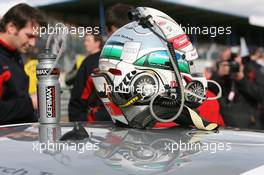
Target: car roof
[[111, 150]]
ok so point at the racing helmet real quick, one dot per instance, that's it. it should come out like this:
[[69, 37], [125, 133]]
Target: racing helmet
[[136, 71]]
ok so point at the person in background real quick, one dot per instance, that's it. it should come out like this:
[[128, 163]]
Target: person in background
[[242, 87], [257, 64], [84, 106], [17, 36], [116, 17]]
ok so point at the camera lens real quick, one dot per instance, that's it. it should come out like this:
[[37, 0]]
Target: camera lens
[[234, 67]]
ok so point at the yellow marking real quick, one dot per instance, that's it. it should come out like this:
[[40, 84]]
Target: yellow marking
[[130, 102], [197, 121], [30, 70]]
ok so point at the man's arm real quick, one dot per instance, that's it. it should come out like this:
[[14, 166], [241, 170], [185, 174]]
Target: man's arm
[[220, 80], [12, 111], [17, 110]]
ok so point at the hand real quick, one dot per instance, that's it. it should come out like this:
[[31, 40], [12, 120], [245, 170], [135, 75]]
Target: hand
[[223, 69], [238, 59], [34, 99]]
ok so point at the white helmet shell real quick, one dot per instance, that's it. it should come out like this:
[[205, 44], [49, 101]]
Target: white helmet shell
[[136, 61]]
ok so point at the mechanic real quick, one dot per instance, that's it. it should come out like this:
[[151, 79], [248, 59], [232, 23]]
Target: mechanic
[[82, 99], [16, 37]]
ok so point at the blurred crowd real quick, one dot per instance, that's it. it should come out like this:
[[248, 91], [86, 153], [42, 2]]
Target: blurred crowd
[[240, 72]]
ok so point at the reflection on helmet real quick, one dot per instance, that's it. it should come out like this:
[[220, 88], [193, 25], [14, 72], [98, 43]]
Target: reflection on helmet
[[136, 73]]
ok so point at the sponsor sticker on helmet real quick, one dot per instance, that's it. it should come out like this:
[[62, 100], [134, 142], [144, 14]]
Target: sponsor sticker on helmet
[[130, 51], [180, 41]]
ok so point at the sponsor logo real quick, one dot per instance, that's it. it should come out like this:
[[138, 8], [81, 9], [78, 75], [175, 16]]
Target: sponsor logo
[[180, 41], [50, 101], [46, 71]]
